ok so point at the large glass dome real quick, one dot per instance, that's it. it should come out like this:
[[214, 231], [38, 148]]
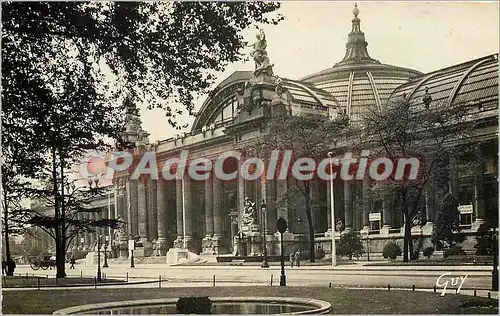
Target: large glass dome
[[359, 82]]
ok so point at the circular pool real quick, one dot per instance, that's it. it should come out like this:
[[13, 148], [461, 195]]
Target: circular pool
[[220, 305]]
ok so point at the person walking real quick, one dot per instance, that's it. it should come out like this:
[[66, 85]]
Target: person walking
[[4, 267], [297, 258], [292, 258], [72, 260]]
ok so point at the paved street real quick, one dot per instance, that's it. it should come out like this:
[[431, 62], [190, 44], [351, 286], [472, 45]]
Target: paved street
[[478, 277]]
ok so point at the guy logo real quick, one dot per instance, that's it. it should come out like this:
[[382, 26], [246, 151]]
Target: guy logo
[[452, 282]]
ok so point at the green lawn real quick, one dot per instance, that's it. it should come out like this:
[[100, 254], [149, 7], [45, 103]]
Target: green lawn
[[33, 281], [343, 301]]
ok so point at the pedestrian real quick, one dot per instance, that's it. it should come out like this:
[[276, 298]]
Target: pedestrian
[[297, 258], [72, 259], [292, 258], [4, 267], [11, 266]]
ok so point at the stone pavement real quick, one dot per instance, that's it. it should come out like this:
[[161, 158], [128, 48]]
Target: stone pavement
[[356, 275]]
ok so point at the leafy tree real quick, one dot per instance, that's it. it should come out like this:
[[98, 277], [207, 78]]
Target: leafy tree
[[306, 137], [152, 51], [350, 244], [425, 132], [66, 65], [486, 240], [391, 250], [428, 251], [446, 231]]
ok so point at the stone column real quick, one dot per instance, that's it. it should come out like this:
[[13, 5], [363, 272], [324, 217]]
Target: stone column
[[92, 217], [281, 191], [86, 235], [152, 210], [315, 205], [387, 209], [479, 188], [366, 202], [188, 212], [454, 188], [132, 214], [142, 208], [209, 214], [161, 205], [178, 243], [218, 200], [348, 205], [268, 188]]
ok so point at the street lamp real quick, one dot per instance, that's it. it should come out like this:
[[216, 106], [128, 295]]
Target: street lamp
[[131, 246], [105, 252], [99, 258], [494, 272], [332, 209], [263, 211]]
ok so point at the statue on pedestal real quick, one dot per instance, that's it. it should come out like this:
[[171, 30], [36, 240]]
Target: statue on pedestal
[[259, 54], [249, 213]]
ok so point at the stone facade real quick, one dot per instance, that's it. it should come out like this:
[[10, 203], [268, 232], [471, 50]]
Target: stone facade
[[205, 216]]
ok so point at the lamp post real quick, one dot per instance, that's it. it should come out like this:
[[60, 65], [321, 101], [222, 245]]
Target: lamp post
[[300, 231], [105, 252], [263, 211], [282, 226], [332, 209], [99, 258], [131, 246]]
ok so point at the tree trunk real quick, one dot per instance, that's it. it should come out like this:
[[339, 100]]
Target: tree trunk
[[61, 241], [310, 224], [10, 272], [407, 231], [410, 239]]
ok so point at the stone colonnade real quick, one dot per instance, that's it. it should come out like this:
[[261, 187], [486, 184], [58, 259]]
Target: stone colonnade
[[201, 215]]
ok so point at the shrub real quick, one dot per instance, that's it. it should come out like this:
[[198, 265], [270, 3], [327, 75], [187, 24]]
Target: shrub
[[194, 305], [349, 245], [428, 252], [391, 250], [453, 251], [486, 241]]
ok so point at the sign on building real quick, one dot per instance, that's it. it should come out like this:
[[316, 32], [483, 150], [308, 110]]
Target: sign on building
[[373, 217], [466, 209]]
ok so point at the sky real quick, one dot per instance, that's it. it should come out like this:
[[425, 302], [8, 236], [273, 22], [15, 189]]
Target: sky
[[424, 36]]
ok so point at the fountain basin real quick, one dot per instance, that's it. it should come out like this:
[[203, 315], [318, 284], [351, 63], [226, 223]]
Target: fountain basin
[[220, 305]]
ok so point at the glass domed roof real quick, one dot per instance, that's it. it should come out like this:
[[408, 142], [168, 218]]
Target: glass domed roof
[[359, 82]]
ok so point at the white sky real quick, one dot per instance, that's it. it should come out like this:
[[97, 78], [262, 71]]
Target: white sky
[[425, 36]]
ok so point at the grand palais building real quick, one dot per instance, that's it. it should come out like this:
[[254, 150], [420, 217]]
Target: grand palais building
[[206, 216]]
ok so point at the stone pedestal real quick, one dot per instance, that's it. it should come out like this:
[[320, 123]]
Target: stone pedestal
[[174, 255], [91, 258], [385, 230], [161, 246], [143, 249], [288, 243], [123, 248], [219, 245], [206, 245], [416, 231], [254, 244], [428, 228], [477, 223]]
